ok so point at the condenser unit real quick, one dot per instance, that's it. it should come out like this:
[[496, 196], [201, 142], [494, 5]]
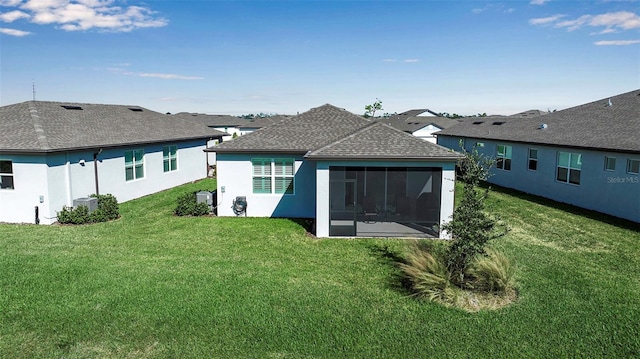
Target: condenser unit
[[90, 202]]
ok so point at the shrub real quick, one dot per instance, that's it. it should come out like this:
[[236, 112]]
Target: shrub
[[70, 215], [188, 206], [428, 274], [107, 210], [492, 273]]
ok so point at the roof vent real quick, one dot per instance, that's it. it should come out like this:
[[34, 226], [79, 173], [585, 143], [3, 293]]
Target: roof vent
[[543, 126], [609, 103], [498, 123], [71, 107], [478, 122], [135, 109]]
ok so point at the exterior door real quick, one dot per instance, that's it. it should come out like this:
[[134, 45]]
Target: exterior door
[[342, 207]]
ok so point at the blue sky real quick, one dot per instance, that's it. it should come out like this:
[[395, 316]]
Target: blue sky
[[237, 57]]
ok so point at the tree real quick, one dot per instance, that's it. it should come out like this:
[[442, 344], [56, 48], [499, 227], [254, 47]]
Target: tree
[[370, 110], [471, 227]]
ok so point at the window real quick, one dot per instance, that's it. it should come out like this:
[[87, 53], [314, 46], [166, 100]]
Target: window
[[533, 159], [633, 166], [170, 158], [273, 176], [480, 144], [6, 175], [503, 158], [569, 167], [609, 163], [134, 164]]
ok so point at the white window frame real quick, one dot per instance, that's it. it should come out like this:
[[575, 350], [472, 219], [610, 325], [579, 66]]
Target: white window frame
[[169, 159], [134, 165], [629, 162], [531, 160], [569, 167], [503, 160], [608, 160], [274, 176], [5, 175]]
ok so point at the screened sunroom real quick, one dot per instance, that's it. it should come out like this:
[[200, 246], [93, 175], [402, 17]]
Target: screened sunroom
[[384, 201]]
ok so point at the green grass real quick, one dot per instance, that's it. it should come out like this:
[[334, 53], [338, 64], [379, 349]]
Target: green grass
[[151, 285]]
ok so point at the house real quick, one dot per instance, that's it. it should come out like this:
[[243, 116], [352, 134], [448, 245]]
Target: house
[[587, 156], [353, 176], [52, 153], [259, 122], [230, 125], [422, 127]]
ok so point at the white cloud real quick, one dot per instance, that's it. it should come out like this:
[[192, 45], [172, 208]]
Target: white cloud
[[14, 15], [82, 15], [14, 32], [164, 76], [612, 21], [617, 42], [539, 2], [546, 20], [411, 60], [10, 2]]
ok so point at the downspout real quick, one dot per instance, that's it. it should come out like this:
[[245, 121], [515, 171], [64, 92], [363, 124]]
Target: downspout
[[95, 169]]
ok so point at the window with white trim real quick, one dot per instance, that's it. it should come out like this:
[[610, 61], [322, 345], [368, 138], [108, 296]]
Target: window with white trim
[[633, 166], [273, 175], [609, 163], [170, 158], [6, 175], [569, 167], [503, 157], [533, 159], [134, 164]]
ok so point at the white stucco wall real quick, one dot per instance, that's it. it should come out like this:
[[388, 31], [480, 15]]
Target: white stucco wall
[[51, 181], [426, 133], [234, 173]]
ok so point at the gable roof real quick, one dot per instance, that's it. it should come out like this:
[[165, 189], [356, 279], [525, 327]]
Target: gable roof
[[378, 140], [331, 132], [410, 122], [260, 122], [607, 124], [42, 126]]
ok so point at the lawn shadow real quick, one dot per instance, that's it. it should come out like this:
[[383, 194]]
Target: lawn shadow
[[566, 207]]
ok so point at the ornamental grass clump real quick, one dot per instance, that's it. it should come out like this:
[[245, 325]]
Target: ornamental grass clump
[[493, 273]]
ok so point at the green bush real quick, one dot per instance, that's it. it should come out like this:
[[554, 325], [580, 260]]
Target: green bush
[[70, 215], [188, 206], [107, 210]]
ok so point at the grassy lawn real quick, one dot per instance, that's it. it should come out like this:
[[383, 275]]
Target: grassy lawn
[[151, 285]]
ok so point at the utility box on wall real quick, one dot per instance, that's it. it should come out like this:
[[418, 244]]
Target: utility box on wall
[[90, 202]]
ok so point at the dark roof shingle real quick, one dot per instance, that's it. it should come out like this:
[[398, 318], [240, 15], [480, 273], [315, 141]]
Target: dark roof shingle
[[42, 126], [607, 124]]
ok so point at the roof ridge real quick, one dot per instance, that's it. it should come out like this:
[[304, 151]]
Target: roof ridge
[[37, 125]]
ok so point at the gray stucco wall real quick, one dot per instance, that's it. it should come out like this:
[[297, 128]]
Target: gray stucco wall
[[613, 192]]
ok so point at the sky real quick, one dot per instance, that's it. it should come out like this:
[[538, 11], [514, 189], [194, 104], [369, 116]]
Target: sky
[[241, 57]]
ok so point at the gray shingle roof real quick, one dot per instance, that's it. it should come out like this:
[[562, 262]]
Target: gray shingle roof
[[212, 120], [410, 121], [331, 132], [261, 122], [41, 126], [594, 125], [377, 141]]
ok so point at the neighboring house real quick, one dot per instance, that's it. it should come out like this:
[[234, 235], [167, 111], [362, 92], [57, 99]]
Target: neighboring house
[[588, 156], [230, 125], [259, 122], [422, 127], [354, 176], [227, 124], [53, 152]]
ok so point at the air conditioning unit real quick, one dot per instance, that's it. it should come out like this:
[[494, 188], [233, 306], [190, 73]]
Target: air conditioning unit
[[205, 197], [90, 202]]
